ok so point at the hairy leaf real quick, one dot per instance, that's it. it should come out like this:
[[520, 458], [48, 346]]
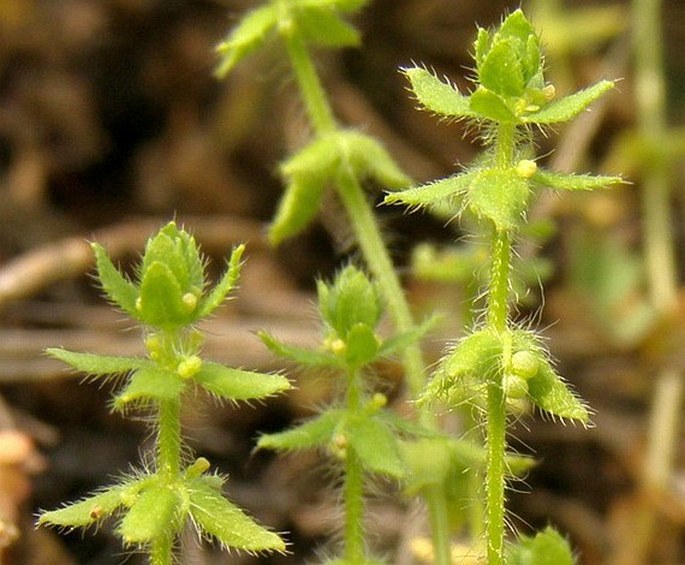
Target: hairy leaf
[[438, 96], [235, 384], [221, 519]]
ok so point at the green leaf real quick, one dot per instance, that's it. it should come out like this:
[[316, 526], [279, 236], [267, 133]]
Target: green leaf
[[369, 159], [486, 104], [500, 70], [246, 37], [548, 547], [118, 288], [218, 294], [565, 181], [548, 391], [154, 514], [97, 365], [499, 195], [400, 341], [317, 432], [218, 517], [297, 208], [564, 109], [150, 384], [85, 512], [317, 161], [438, 96], [462, 372], [481, 45], [300, 355], [235, 384], [322, 26], [375, 446], [429, 193], [362, 346], [161, 299]]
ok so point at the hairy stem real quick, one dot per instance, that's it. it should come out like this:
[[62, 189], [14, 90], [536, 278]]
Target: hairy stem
[[316, 102], [366, 228], [368, 236], [353, 490], [497, 316], [169, 440]]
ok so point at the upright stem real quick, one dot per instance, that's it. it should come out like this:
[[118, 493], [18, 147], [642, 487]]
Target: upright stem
[[353, 491], [497, 316], [368, 236], [318, 108], [169, 440], [366, 228]]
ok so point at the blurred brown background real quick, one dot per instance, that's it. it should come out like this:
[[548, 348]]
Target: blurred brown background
[[111, 123]]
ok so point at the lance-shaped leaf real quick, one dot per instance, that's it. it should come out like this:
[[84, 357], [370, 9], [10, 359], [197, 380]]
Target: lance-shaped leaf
[[564, 109], [228, 383], [432, 192], [317, 432], [86, 512], [118, 288], [221, 519], [399, 341], [549, 391], [300, 355], [369, 159], [297, 208], [226, 284], [150, 384], [98, 365], [438, 96], [322, 26], [566, 181], [375, 446], [246, 37], [499, 195], [155, 514]]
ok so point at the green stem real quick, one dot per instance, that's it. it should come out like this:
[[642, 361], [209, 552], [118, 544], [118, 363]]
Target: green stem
[[366, 228], [497, 316], [169, 440], [498, 310], [318, 108], [353, 491], [368, 236], [439, 523]]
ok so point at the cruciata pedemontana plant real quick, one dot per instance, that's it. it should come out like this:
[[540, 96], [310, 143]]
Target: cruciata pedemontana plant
[[499, 366], [356, 429], [155, 502], [345, 160]]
